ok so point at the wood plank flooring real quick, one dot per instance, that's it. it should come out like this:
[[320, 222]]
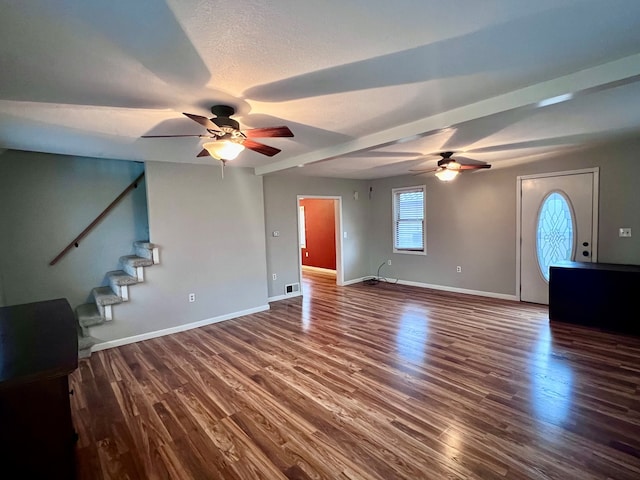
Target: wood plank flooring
[[365, 382]]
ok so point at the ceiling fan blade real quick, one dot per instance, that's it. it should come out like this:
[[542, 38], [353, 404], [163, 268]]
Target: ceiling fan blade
[[172, 136], [424, 172], [260, 148], [466, 161], [203, 153], [473, 167], [204, 121], [427, 170], [268, 132]]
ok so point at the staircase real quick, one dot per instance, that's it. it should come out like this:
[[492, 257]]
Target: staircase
[[100, 310]]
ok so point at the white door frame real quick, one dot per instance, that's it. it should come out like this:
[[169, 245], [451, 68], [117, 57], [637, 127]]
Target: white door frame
[[338, 229], [594, 221]]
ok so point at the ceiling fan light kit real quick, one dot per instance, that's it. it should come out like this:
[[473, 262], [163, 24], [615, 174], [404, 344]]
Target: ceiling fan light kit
[[447, 175], [224, 149], [449, 168]]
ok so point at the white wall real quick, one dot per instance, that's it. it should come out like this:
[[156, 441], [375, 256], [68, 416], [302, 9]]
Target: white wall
[[45, 202], [280, 196], [471, 221], [210, 232]]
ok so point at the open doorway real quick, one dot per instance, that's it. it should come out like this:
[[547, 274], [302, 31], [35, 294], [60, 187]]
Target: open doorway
[[320, 237]]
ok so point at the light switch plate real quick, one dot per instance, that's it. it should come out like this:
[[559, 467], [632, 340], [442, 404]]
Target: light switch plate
[[625, 232]]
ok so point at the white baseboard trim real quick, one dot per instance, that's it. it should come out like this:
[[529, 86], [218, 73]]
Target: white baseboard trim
[[282, 297], [318, 269], [355, 280], [446, 288], [180, 328], [297, 294]]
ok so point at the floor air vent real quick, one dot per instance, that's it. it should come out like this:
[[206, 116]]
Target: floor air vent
[[291, 288]]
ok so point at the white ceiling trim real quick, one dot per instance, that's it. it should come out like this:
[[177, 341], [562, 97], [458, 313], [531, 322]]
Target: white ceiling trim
[[597, 78]]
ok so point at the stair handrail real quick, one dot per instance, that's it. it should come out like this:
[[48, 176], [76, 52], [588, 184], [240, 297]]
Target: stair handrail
[[75, 242]]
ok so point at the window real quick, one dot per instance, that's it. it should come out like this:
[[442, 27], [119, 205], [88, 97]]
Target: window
[[302, 228], [554, 238], [408, 220]]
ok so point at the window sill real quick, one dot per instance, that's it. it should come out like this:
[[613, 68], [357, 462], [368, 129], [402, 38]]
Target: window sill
[[411, 252]]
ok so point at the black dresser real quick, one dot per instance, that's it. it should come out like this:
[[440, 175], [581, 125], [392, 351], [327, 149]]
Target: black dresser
[[38, 350], [601, 295]]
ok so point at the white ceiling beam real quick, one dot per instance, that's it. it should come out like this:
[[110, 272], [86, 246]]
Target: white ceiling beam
[[601, 77]]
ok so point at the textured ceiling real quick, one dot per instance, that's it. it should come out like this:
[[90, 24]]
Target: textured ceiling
[[370, 88]]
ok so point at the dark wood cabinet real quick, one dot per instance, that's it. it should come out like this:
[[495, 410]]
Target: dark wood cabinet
[[601, 295], [38, 350]]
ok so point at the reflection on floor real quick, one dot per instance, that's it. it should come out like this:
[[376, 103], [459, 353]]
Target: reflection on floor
[[367, 381]]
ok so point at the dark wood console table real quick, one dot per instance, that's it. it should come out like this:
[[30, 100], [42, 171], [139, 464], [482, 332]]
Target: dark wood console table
[[602, 295], [38, 350]]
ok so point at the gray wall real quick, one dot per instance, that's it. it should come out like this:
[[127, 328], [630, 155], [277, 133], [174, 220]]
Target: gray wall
[[280, 197], [471, 222], [45, 201], [210, 233]]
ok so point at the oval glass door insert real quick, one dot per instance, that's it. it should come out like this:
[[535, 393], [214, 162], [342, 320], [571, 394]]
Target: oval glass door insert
[[554, 232]]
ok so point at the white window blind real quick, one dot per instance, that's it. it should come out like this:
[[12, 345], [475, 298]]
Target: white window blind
[[408, 223]]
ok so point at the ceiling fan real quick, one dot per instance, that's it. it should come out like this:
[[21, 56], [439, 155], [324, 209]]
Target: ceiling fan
[[227, 138], [448, 168]]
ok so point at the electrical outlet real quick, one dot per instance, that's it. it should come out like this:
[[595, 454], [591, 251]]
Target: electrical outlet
[[306, 254], [192, 297], [389, 262], [275, 276], [459, 269], [624, 232], [276, 233]]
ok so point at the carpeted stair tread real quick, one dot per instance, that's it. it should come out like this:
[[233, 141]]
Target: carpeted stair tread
[[84, 346], [136, 261], [120, 278], [87, 342], [146, 245], [105, 296], [82, 330], [130, 272], [88, 315], [144, 249]]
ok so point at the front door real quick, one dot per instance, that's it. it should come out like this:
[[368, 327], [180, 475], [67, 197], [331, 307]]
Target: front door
[[556, 224]]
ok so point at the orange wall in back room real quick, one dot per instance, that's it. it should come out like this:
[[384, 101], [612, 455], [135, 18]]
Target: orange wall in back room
[[320, 230]]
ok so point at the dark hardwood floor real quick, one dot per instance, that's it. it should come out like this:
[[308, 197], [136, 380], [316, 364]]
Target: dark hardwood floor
[[360, 382]]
